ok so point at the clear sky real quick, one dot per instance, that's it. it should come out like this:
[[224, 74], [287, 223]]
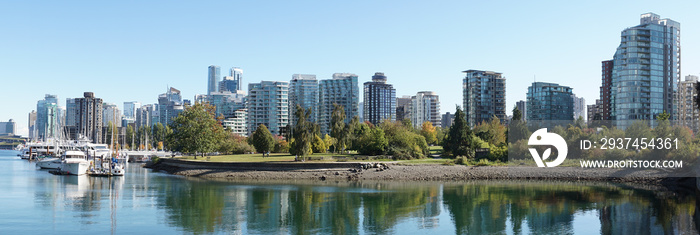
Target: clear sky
[[132, 50]]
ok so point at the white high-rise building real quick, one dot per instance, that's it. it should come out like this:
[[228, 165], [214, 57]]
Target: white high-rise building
[[425, 106], [268, 104], [111, 113], [580, 108]]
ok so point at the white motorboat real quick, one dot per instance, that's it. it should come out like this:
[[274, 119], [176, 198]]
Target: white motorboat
[[74, 163], [50, 163]]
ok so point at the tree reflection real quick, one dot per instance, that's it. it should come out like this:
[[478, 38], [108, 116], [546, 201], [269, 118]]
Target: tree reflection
[[475, 208]]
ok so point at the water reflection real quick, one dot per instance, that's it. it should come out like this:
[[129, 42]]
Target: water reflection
[[474, 208]]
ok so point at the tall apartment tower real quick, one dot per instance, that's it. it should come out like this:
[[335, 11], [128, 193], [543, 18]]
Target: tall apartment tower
[[268, 104], [522, 106], [237, 74], [47, 117], [303, 91], [403, 108], [130, 109], [88, 117], [646, 70], [425, 107], [549, 102], [379, 100], [111, 113], [688, 113], [32, 125], [484, 96], [342, 90], [213, 77], [580, 108], [605, 90]]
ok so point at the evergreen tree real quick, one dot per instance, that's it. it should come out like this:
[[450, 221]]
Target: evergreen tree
[[459, 140], [302, 133]]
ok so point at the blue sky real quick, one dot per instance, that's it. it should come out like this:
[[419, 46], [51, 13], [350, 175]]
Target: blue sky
[[132, 50]]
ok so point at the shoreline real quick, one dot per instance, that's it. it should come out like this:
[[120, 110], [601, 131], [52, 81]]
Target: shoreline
[[355, 171]]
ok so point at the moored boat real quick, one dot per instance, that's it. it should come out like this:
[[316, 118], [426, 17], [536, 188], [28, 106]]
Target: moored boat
[[74, 163]]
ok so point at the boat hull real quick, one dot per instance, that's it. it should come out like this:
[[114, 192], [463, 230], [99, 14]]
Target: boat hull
[[50, 163], [75, 167]]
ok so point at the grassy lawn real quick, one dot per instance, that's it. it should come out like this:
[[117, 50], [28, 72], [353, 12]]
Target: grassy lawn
[[424, 161], [274, 157], [435, 150]]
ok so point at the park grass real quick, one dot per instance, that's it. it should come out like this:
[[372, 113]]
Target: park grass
[[435, 150], [257, 157]]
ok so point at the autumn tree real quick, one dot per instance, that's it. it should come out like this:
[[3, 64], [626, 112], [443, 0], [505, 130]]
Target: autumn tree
[[428, 131]]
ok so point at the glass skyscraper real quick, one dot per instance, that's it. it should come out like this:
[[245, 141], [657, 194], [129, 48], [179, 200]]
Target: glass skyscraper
[[549, 102], [379, 100], [484, 96], [303, 91], [213, 76], [646, 71], [268, 104], [342, 90]]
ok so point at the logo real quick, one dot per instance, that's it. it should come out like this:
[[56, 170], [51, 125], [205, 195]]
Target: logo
[[542, 137]]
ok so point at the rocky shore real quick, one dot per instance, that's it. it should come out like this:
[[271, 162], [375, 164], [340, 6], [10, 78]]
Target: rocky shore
[[399, 172]]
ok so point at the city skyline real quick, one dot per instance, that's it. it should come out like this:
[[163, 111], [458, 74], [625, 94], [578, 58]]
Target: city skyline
[[157, 46]]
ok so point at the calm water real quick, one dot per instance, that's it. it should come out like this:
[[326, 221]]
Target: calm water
[[36, 202]]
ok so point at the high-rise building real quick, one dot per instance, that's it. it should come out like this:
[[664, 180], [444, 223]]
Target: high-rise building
[[111, 113], [425, 107], [226, 103], [47, 118], [606, 89], [303, 91], [88, 118], [169, 106], [379, 100], [549, 102], [31, 124], [130, 109], [214, 75], [268, 104], [522, 106], [595, 111], [579, 107], [447, 120], [238, 122], [342, 90], [403, 108], [237, 75], [8, 128], [688, 113], [484, 96], [646, 70], [144, 116]]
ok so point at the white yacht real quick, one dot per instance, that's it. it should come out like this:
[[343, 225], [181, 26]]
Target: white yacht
[[49, 163], [74, 163]]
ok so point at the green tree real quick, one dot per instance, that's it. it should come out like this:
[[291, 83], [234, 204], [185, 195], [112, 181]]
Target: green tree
[[158, 133], [428, 131], [459, 140], [263, 140], [234, 144], [338, 129], [130, 136], [517, 114], [318, 145], [195, 130], [302, 133], [373, 142]]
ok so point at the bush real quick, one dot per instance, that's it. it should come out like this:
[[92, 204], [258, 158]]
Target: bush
[[461, 160]]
